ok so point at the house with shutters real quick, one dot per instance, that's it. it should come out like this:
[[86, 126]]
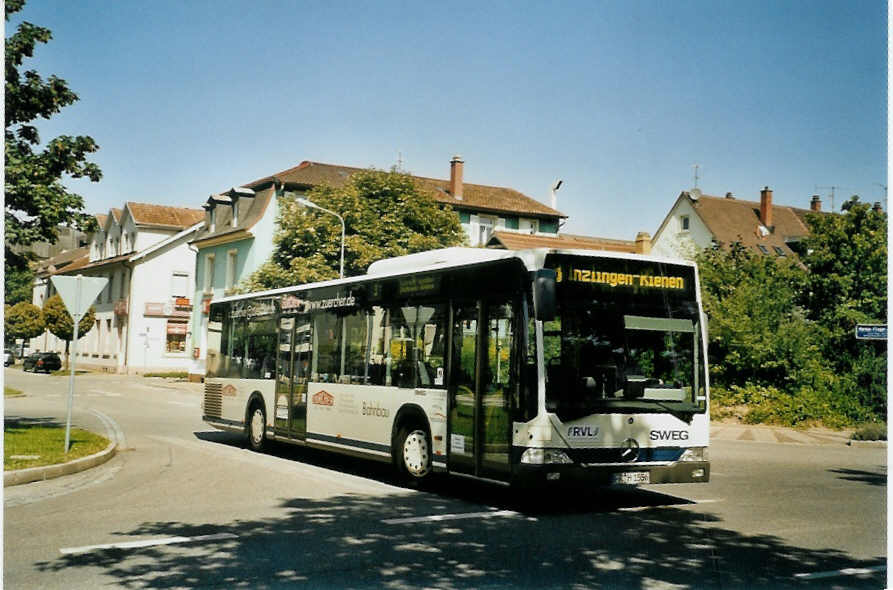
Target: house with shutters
[[697, 221], [142, 315], [237, 235]]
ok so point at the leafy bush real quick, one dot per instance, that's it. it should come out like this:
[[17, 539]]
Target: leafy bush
[[871, 431]]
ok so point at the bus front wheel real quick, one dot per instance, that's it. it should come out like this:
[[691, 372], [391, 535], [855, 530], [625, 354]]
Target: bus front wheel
[[257, 426], [414, 454]]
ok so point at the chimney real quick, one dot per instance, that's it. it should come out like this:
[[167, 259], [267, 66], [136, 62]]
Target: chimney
[[766, 207], [456, 177], [643, 243], [815, 204]]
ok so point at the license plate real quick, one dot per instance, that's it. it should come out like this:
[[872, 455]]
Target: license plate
[[631, 478]]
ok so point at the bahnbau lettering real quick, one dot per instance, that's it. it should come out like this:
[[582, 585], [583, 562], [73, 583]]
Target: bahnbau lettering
[[615, 279]]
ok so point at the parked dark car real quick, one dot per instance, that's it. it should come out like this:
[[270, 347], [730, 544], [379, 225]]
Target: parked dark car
[[42, 361]]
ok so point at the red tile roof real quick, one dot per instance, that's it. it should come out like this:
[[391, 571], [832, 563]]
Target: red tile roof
[[475, 196], [735, 220], [518, 241], [164, 215]]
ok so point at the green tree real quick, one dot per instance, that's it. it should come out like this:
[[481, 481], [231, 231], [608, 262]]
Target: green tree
[[36, 199], [18, 284], [385, 215], [23, 320], [758, 333], [847, 285], [60, 323]]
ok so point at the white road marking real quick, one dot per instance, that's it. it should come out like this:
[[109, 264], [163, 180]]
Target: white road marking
[[442, 517], [147, 543], [848, 571]]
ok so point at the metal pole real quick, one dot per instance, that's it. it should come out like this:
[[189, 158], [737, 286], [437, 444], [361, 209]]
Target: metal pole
[[74, 350], [341, 219]]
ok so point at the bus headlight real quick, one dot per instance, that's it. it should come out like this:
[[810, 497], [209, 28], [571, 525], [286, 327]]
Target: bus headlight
[[694, 454], [544, 457]]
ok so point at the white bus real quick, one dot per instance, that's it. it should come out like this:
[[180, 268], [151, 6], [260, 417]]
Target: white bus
[[509, 366]]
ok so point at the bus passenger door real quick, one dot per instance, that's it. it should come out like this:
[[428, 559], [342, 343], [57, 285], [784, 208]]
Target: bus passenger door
[[293, 357], [480, 390], [283, 375], [303, 347]]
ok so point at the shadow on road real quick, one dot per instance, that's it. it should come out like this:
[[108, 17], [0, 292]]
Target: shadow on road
[[570, 540], [11, 423], [869, 477]]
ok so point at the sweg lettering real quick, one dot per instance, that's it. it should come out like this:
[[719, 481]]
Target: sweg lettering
[[375, 410], [582, 431], [615, 279], [669, 435]]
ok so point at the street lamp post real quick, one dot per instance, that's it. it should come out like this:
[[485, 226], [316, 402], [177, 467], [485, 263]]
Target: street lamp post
[[308, 203]]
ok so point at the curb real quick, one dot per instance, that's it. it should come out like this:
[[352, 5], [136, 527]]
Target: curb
[[882, 444], [22, 476]]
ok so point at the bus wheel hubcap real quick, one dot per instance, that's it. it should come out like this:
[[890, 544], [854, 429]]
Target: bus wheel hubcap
[[257, 426], [415, 453]]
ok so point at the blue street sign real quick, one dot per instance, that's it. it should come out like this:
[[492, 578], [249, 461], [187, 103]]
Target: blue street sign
[[871, 331]]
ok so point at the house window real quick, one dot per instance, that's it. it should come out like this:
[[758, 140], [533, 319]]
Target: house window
[[235, 212], [549, 226], [212, 219], [763, 249], [108, 331], [209, 273], [779, 251], [685, 222], [179, 284], [231, 258], [176, 336], [485, 228], [464, 217]]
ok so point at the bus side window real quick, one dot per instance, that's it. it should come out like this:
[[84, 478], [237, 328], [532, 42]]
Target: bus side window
[[379, 337], [356, 367], [327, 350], [260, 348]]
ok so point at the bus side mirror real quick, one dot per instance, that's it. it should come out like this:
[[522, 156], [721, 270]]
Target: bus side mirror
[[544, 294]]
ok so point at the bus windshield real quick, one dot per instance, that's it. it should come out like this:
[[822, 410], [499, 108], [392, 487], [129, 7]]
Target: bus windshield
[[598, 361]]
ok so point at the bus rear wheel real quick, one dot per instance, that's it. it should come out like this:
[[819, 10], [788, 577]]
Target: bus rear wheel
[[257, 427], [413, 454]]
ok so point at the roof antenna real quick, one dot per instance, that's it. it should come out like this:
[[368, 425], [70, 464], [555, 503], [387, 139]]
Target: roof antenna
[[399, 161], [696, 166]]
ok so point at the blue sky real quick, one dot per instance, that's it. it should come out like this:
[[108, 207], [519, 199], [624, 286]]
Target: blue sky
[[618, 99]]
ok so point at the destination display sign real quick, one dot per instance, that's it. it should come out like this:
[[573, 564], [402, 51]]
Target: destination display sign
[[418, 285], [622, 276]]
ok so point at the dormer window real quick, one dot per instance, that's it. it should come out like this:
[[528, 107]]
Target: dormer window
[[235, 211], [212, 218]]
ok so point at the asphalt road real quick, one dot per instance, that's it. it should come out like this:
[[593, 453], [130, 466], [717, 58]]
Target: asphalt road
[[184, 506]]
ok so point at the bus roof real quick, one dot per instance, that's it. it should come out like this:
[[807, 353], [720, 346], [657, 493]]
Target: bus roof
[[455, 257]]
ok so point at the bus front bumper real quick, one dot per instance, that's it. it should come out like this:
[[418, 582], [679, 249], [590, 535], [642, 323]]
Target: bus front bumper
[[615, 474]]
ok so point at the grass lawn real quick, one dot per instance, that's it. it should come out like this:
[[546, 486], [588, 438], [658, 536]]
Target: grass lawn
[[12, 392], [34, 443]]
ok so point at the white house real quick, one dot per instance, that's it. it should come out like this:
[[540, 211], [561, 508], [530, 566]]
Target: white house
[[142, 316], [697, 221]]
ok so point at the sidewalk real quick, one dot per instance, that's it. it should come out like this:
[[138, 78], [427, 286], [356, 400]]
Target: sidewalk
[[778, 434]]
